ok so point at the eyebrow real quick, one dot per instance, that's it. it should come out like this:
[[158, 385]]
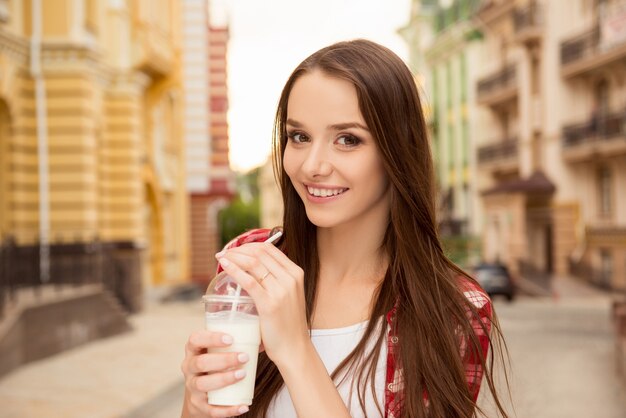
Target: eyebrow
[[336, 127]]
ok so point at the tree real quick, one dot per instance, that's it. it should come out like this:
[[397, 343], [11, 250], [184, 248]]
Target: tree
[[243, 213]]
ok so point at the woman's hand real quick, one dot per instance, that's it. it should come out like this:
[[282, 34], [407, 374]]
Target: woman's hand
[[277, 286], [205, 371]]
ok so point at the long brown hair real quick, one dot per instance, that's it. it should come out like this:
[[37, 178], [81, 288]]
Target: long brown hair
[[423, 285]]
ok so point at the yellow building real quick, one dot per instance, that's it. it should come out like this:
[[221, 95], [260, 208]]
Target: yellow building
[[271, 197], [102, 126]]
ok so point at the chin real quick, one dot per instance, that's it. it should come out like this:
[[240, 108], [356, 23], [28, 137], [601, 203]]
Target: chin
[[321, 221]]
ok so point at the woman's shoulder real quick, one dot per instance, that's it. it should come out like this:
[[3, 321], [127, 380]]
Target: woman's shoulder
[[475, 294]]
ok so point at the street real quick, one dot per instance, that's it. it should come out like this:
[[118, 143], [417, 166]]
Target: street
[[562, 359], [561, 353]]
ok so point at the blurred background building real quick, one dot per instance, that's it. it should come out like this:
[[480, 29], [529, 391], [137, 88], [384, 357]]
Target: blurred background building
[[115, 187], [446, 46], [209, 179], [99, 101], [529, 127], [270, 197]]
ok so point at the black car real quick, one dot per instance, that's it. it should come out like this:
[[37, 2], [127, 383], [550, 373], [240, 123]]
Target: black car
[[495, 279]]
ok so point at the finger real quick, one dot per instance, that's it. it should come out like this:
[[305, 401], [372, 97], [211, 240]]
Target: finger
[[280, 266], [256, 254], [209, 382], [201, 405], [249, 263], [277, 271], [254, 248], [215, 362], [249, 283], [282, 259], [274, 276], [199, 341], [267, 280]]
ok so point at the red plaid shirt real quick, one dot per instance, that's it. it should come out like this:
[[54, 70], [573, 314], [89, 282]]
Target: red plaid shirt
[[394, 382]]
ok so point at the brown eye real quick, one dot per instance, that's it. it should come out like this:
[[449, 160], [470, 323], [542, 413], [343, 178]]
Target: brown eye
[[297, 137], [348, 140]]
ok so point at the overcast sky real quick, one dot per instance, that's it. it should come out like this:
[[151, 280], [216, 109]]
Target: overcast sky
[[269, 38]]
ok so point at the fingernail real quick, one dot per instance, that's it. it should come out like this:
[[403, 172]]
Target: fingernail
[[221, 253], [224, 262], [239, 374], [243, 409], [227, 339], [243, 357]]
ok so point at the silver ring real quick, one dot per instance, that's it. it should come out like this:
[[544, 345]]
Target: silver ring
[[264, 276]]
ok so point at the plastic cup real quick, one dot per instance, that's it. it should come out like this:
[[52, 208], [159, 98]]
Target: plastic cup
[[232, 311]]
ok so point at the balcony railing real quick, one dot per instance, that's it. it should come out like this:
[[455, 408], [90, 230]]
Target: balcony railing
[[497, 83], [499, 151], [599, 128], [70, 264], [580, 47], [491, 11], [527, 18]]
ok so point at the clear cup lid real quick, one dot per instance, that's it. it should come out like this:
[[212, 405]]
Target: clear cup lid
[[224, 288]]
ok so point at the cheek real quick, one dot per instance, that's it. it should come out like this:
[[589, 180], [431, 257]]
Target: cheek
[[376, 172]]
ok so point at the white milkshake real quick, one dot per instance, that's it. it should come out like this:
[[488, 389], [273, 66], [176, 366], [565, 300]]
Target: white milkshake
[[230, 309], [244, 328]]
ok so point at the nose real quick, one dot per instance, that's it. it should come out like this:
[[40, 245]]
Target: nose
[[317, 162]]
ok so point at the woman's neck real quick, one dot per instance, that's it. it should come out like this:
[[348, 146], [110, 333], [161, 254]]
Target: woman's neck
[[350, 254], [352, 265]]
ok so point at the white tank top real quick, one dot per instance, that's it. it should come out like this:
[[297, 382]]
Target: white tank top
[[334, 345]]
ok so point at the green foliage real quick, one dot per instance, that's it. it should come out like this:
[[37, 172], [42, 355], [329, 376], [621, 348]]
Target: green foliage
[[243, 213], [462, 250], [474, 35]]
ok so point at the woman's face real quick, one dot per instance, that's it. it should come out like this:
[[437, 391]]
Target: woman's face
[[331, 157]]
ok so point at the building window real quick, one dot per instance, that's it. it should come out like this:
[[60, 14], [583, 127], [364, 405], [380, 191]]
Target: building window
[[467, 198], [605, 187], [91, 15], [535, 77], [452, 151], [466, 145], [4, 11], [606, 268], [464, 86]]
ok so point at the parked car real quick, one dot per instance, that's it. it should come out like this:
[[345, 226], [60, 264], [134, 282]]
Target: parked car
[[495, 279]]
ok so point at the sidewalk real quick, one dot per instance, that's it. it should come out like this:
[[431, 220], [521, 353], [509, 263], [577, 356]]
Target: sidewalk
[[562, 287], [107, 378], [567, 287]]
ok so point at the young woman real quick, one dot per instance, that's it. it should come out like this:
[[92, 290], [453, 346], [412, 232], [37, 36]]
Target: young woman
[[361, 312]]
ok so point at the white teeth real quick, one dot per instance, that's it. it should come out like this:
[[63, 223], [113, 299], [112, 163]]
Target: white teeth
[[324, 192]]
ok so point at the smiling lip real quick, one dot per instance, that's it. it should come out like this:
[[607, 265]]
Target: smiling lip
[[318, 193]]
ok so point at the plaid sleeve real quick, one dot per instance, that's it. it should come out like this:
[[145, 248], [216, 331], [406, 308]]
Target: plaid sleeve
[[481, 325], [253, 235]]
